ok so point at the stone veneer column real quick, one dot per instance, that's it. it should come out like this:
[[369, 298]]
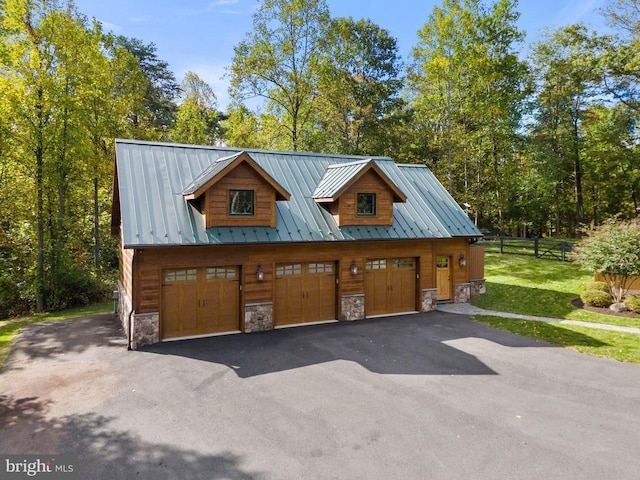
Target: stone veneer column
[[145, 329], [429, 299], [352, 307], [462, 293], [478, 287], [258, 317]]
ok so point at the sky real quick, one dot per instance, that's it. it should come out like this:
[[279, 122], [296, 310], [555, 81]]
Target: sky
[[199, 35]]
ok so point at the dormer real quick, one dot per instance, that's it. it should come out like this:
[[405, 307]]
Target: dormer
[[358, 193], [236, 192]]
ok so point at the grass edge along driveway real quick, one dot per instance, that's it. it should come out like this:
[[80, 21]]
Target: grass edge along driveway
[[10, 327], [531, 286]]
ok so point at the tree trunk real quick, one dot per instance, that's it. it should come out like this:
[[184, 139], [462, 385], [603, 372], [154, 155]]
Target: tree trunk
[[96, 224], [39, 154], [557, 208], [577, 173]]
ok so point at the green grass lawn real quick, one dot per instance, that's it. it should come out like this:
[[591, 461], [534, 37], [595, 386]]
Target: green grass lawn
[[546, 288], [621, 346], [10, 327], [539, 287]]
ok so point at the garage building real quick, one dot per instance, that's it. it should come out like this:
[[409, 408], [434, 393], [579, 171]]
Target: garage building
[[217, 240]]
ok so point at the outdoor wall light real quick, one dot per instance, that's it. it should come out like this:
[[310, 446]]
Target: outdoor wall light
[[462, 261], [260, 273], [353, 268]]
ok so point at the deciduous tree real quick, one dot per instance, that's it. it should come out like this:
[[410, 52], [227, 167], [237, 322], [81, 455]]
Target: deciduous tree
[[278, 60]]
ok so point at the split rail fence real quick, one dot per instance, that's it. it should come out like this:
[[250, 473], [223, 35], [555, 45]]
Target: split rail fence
[[546, 248]]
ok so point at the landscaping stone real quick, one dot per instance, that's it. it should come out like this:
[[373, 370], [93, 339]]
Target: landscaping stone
[[618, 307]]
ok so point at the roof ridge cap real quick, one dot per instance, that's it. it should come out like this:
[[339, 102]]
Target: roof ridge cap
[[348, 164], [229, 157]]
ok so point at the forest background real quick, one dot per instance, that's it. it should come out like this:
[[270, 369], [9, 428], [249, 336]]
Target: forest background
[[539, 145]]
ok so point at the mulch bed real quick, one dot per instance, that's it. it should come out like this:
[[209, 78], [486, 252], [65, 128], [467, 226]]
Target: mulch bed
[[578, 303]]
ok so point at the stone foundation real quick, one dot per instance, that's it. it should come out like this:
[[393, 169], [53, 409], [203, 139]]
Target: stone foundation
[[258, 317], [145, 329], [429, 299], [478, 287], [352, 307], [462, 292]]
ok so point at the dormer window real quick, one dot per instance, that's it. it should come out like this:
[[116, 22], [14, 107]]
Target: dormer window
[[241, 202], [366, 204]]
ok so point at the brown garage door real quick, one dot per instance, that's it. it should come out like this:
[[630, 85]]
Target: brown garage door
[[390, 286], [305, 292], [200, 301]]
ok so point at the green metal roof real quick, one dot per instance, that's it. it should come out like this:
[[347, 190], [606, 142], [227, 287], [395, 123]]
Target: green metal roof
[[210, 172], [337, 176], [154, 177]]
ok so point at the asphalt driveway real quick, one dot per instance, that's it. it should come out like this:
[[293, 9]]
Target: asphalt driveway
[[411, 397]]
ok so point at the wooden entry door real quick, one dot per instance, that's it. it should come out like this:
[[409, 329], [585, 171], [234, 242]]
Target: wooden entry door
[[443, 278], [390, 286], [305, 292], [200, 301]]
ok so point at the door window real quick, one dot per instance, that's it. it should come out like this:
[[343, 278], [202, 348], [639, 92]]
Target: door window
[[442, 262]]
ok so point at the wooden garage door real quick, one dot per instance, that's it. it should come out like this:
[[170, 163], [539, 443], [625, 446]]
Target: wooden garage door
[[390, 286], [305, 292], [200, 301]]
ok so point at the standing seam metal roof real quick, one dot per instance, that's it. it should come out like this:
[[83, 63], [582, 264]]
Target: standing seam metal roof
[[152, 178], [336, 177]]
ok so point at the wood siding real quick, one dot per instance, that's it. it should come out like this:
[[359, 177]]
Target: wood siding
[[633, 283], [149, 264], [125, 264], [243, 177], [475, 262], [370, 182]]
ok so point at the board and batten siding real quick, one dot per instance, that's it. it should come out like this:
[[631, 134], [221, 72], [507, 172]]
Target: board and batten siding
[[476, 262]]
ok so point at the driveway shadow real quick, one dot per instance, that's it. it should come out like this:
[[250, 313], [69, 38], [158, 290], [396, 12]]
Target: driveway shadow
[[61, 337], [103, 452], [407, 345]]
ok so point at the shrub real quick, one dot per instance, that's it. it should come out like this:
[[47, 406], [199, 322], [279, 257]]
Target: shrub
[[11, 301], [612, 251], [596, 298], [74, 287], [599, 286], [632, 302]]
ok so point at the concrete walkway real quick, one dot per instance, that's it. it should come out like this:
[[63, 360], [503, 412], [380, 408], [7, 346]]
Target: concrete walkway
[[468, 309]]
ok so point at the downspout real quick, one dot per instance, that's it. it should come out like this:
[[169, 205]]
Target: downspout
[[130, 328]]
